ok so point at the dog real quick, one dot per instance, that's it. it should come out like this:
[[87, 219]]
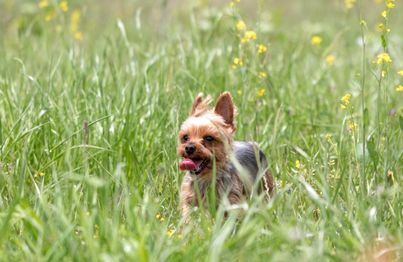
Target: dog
[[211, 157]]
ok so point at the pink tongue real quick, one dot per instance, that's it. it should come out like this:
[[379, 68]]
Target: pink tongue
[[189, 164]]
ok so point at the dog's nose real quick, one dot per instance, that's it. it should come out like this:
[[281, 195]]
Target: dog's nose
[[190, 149]]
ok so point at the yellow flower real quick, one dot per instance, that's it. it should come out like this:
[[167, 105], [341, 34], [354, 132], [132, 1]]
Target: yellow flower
[[351, 126], [330, 59], [43, 3], [239, 92], [380, 27], [233, 3], [248, 36], [78, 35], [349, 3], [345, 101], [297, 164], [50, 16], [261, 49], [236, 62], [384, 14], [240, 26], [316, 40], [75, 20], [64, 6], [328, 137], [170, 232], [39, 174], [262, 75], [383, 73], [399, 88], [159, 217], [383, 58], [260, 92], [390, 4], [390, 175], [400, 72]]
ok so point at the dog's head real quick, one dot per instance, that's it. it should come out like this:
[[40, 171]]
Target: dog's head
[[206, 135]]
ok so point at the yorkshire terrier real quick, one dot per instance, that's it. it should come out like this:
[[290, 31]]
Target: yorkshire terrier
[[210, 153]]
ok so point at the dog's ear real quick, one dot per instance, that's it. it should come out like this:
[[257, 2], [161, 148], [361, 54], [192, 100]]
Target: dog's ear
[[197, 102], [225, 108]]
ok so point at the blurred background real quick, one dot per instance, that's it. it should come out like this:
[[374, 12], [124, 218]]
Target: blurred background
[[18, 17]]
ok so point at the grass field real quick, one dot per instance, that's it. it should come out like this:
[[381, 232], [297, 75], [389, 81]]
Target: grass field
[[92, 95]]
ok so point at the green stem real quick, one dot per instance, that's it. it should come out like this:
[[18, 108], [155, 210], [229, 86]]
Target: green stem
[[363, 178]]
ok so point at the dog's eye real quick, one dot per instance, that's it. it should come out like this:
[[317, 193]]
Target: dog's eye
[[185, 138], [209, 138]]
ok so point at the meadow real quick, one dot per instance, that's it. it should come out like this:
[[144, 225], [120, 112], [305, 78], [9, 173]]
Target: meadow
[[92, 94]]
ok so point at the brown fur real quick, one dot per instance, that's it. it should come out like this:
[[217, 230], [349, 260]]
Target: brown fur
[[218, 123]]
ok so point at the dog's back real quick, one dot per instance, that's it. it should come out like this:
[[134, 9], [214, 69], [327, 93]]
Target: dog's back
[[246, 154]]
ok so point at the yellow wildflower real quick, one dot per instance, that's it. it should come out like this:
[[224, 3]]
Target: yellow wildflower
[[248, 36], [262, 75], [233, 3], [390, 175], [239, 92], [328, 137], [170, 232], [39, 174], [297, 164], [330, 59], [237, 62], [351, 126], [349, 3], [78, 35], [380, 27], [345, 101], [261, 49], [50, 16], [43, 3], [159, 217], [240, 26], [400, 72], [399, 88], [260, 92], [316, 40], [75, 20], [383, 73], [384, 14], [383, 58], [64, 6], [390, 4]]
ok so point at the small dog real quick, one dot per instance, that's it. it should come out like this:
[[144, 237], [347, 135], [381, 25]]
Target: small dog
[[208, 150]]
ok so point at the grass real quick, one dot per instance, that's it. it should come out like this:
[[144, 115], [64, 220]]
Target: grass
[[88, 129]]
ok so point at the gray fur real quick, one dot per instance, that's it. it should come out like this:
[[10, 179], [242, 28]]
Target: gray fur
[[235, 180], [246, 154]]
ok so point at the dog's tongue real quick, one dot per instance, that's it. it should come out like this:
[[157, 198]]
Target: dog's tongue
[[189, 164]]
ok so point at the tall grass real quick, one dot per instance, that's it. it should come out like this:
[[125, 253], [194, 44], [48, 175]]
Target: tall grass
[[88, 130]]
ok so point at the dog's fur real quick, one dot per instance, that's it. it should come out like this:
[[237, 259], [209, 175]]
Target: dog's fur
[[237, 165]]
